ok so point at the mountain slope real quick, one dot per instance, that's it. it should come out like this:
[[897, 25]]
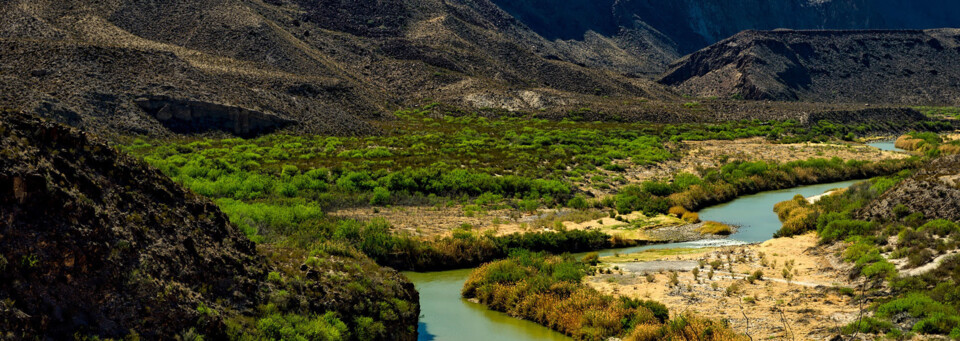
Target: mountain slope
[[323, 66], [907, 67], [95, 243]]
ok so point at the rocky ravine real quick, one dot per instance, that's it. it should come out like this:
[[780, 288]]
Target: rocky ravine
[[94, 243]]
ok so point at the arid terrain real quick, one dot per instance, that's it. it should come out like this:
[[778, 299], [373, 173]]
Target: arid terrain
[[808, 306], [356, 170]]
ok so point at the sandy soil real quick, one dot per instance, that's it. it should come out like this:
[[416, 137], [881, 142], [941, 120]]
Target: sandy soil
[[431, 221], [807, 307]]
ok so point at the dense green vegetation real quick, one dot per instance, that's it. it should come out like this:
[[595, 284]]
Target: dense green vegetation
[[932, 299], [300, 225], [428, 157], [548, 290], [277, 188]]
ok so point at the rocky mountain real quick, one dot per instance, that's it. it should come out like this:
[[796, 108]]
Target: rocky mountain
[[95, 243], [246, 67], [690, 25], [316, 66], [909, 67]]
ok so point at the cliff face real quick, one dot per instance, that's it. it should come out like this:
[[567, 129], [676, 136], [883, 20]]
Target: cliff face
[[94, 243], [904, 67]]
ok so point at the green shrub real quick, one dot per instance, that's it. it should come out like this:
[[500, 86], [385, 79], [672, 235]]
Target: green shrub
[[381, 196], [296, 327], [868, 325], [840, 229], [940, 227]]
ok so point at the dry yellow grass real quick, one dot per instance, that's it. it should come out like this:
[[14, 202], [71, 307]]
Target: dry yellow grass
[[950, 149], [677, 211], [907, 142], [713, 227], [691, 217]]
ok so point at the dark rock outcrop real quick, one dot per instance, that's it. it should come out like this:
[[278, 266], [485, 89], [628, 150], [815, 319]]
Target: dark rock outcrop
[[95, 243], [933, 191], [186, 116], [902, 67]]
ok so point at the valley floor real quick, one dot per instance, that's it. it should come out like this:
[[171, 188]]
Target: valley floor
[[813, 304]]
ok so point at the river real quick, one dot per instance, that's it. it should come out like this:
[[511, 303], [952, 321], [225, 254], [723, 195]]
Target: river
[[887, 145], [447, 316]]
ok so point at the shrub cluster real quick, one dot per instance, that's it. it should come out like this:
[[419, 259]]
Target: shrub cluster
[[548, 290]]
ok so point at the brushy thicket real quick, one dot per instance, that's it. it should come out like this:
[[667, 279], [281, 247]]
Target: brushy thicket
[[692, 192], [429, 157], [303, 226], [932, 299], [548, 290], [929, 143]]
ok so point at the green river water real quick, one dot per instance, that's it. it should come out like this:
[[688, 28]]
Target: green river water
[[446, 316]]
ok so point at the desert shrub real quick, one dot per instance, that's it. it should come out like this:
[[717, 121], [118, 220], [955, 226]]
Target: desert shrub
[[380, 196], [298, 327], [840, 229], [691, 217], [755, 276], [916, 304], [880, 270], [940, 227], [868, 325], [677, 211], [578, 202], [713, 227]]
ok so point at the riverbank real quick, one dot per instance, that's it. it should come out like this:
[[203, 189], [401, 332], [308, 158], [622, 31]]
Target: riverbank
[[443, 309], [803, 292]]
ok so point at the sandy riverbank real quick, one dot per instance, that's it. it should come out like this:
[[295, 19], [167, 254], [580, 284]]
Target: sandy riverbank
[[806, 304]]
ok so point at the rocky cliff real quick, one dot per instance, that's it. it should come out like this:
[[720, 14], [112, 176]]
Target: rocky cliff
[[94, 243], [907, 67]]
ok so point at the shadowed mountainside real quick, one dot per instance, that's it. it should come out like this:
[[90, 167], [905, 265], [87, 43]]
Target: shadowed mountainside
[[96, 243], [907, 67], [690, 25]]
